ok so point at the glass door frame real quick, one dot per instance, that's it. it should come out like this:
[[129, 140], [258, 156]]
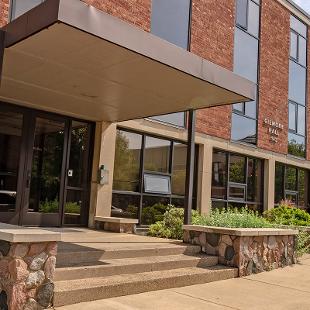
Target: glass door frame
[[21, 216]]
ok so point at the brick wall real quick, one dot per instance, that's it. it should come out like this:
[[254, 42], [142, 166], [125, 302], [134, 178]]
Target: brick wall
[[308, 99], [212, 37], [274, 64], [4, 12], [137, 12]]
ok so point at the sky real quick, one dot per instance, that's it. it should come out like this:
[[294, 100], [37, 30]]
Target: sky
[[305, 4]]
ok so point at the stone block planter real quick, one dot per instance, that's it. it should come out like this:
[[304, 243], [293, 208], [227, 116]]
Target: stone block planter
[[26, 268], [251, 250]]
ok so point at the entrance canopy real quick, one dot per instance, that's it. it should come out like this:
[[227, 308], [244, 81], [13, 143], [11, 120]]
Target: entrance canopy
[[67, 57]]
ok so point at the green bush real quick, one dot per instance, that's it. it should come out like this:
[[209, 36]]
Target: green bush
[[285, 214], [234, 218], [153, 214], [171, 225], [303, 243], [49, 206]]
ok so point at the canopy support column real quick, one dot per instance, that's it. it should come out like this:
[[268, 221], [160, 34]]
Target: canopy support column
[[190, 167]]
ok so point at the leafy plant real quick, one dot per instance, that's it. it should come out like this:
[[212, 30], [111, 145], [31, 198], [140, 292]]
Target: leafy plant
[[303, 243], [285, 214], [171, 225], [153, 214], [49, 206], [234, 218]]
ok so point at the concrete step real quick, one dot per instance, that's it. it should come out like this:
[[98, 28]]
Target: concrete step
[[75, 291], [76, 258], [134, 265]]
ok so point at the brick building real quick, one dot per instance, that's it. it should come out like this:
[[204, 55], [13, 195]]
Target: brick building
[[252, 153]]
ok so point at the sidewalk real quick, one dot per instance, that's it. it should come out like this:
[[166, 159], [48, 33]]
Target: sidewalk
[[282, 289]]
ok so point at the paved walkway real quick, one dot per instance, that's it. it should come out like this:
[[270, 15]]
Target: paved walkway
[[282, 289]]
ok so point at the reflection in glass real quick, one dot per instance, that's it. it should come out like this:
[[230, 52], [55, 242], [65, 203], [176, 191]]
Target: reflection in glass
[[253, 20], [245, 55], [297, 83], [127, 161], [301, 128], [157, 154], [243, 129], [293, 48], [176, 119], [20, 7], [237, 169], [242, 13], [10, 140], [46, 166], [279, 178], [153, 209], [296, 145], [291, 178], [219, 175], [298, 26], [302, 50], [78, 154], [179, 169], [236, 192], [170, 23], [73, 207], [301, 188], [255, 180], [125, 206], [292, 116]]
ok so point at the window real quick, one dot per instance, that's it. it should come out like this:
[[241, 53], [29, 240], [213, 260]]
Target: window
[[20, 7], [170, 20], [297, 89], [236, 179], [244, 118], [291, 184], [175, 119], [149, 174]]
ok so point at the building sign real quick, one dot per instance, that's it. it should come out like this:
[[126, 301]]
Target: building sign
[[274, 129]]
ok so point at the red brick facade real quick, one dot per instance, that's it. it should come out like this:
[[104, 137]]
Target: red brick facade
[[212, 37], [308, 100], [4, 12], [274, 75], [137, 12]]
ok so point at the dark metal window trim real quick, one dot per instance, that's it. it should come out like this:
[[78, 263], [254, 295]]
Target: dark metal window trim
[[153, 119]]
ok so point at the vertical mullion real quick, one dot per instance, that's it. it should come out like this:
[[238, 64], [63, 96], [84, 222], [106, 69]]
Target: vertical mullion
[[141, 178]]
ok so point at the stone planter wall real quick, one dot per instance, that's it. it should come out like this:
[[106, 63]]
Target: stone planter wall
[[250, 250], [26, 275]]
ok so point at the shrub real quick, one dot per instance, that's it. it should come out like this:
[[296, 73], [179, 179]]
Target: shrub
[[153, 214], [171, 225], [285, 214], [303, 243], [234, 218]]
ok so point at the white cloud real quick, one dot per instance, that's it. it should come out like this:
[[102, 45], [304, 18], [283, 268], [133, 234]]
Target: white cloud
[[305, 4]]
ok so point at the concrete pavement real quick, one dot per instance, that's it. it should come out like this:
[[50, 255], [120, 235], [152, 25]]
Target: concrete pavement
[[282, 289]]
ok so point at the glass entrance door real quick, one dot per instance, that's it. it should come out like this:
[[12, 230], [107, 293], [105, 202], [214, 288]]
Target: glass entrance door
[[11, 132], [44, 172]]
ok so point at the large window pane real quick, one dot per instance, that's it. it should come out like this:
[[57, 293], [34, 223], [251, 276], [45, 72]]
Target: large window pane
[[170, 20], [20, 7], [219, 175], [242, 13], [291, 179], [237, 169], [175, 119], [245, 55], [298, 26], [243, 129], [10, 140], [297, 83], [250, 109], [253, 21], [292, 116], [294, 42], [279, 186], [157, 154], [179, 169], [296, 145], [301, 120], [255, 180], [302, 57], [126, 206], [127, 161]]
